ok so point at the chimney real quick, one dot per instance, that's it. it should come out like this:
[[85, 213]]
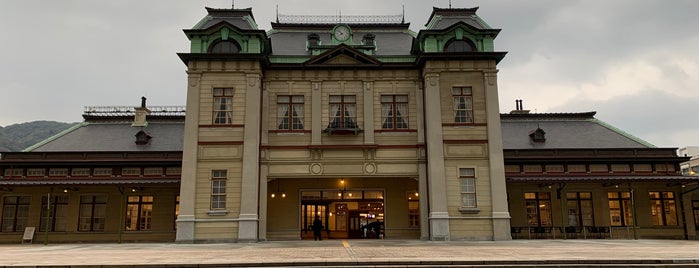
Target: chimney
[[140, 115], [519, 108]]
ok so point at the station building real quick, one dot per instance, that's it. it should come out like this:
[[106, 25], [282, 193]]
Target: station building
[[378, 131]]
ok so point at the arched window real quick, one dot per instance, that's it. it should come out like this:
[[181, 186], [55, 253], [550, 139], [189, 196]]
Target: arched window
[[464, 45], [227, 46]]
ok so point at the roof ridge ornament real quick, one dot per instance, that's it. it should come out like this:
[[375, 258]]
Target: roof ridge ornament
[[332, 19]]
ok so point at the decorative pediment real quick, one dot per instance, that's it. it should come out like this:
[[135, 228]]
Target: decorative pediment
[[342, 55]]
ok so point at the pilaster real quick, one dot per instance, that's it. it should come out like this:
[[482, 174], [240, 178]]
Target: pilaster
[[501, 215], [438, 213], [188, 183], [369, 113], [249, 217]]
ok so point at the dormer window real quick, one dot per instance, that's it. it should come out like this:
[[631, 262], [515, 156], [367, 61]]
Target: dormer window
[[225, 46], [313, 40], [538, 135], [142, 138], [463, 45], [368, 39]]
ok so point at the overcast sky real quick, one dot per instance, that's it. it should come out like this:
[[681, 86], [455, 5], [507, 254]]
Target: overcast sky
[[635, 62]]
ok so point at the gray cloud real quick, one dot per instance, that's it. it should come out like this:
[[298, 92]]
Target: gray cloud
[[617, 57]]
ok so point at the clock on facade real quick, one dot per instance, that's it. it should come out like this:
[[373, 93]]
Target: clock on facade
[[342, 33]]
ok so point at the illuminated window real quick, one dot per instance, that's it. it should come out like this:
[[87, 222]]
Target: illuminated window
[[620, 213], [538, 208], [394, 111], [139, 213], [223, 106], [463, 104], [413, 209], [662, 208]]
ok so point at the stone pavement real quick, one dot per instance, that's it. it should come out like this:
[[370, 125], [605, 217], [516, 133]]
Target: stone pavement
[[361, 253]]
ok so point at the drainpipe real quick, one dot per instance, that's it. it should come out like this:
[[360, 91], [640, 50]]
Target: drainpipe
[[633, 212], [48, 217], [559, 194]]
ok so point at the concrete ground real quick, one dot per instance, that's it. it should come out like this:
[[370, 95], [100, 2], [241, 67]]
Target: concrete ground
[[361, 253]]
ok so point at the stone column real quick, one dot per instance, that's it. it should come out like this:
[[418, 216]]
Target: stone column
[[249, 197], [188, 184], [438, 214], [498, 190]]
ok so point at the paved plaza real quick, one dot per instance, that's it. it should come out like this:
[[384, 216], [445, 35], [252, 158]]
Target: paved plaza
[[362, 253]]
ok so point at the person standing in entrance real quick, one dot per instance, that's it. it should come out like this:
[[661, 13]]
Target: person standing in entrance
[[317, 228]]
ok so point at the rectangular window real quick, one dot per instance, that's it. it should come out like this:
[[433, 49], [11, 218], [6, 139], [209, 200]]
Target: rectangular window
[[130, 171], [580, 211], [463, 104], [223, 106], [13, 172], [139, 212], [394, 111], [538, 208], [36, 172], [218, 189], [173, 171], [54, 215], [80, 172], [695, 209], [15, 213], [290, 112], [93, 213], [662, 208], [102, 172], [467, 178], [56, 172], [153, 171], [620, 213], [343, 111]]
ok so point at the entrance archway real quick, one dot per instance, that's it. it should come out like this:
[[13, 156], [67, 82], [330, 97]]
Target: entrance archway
[[355, 214]]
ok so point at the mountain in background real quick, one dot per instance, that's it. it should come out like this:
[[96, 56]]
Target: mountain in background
[[17, 137]]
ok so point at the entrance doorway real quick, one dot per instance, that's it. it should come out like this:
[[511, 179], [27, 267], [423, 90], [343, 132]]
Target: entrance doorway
[[355, 214]]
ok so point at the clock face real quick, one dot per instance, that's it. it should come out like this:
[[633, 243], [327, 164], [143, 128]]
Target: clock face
[[342, 33]]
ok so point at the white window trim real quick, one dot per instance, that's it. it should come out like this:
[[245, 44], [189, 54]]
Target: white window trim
[[462, 208]]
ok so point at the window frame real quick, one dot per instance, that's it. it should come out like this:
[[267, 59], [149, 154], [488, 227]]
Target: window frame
[[222, 108], [57, 201], [347, 120], [293, 123], [20, 214], [451, 46], [94, 204], [219, 179], [142, 204], [538, 202], [459, 99], [664, 203], [393, 110], [578, 200], [468, 195], [622, 199]]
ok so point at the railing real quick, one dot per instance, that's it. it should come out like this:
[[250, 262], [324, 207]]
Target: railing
[[571, 232], [109, 111]]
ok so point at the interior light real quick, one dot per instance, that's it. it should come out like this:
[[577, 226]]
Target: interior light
[[273, 195], [283, 195]]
